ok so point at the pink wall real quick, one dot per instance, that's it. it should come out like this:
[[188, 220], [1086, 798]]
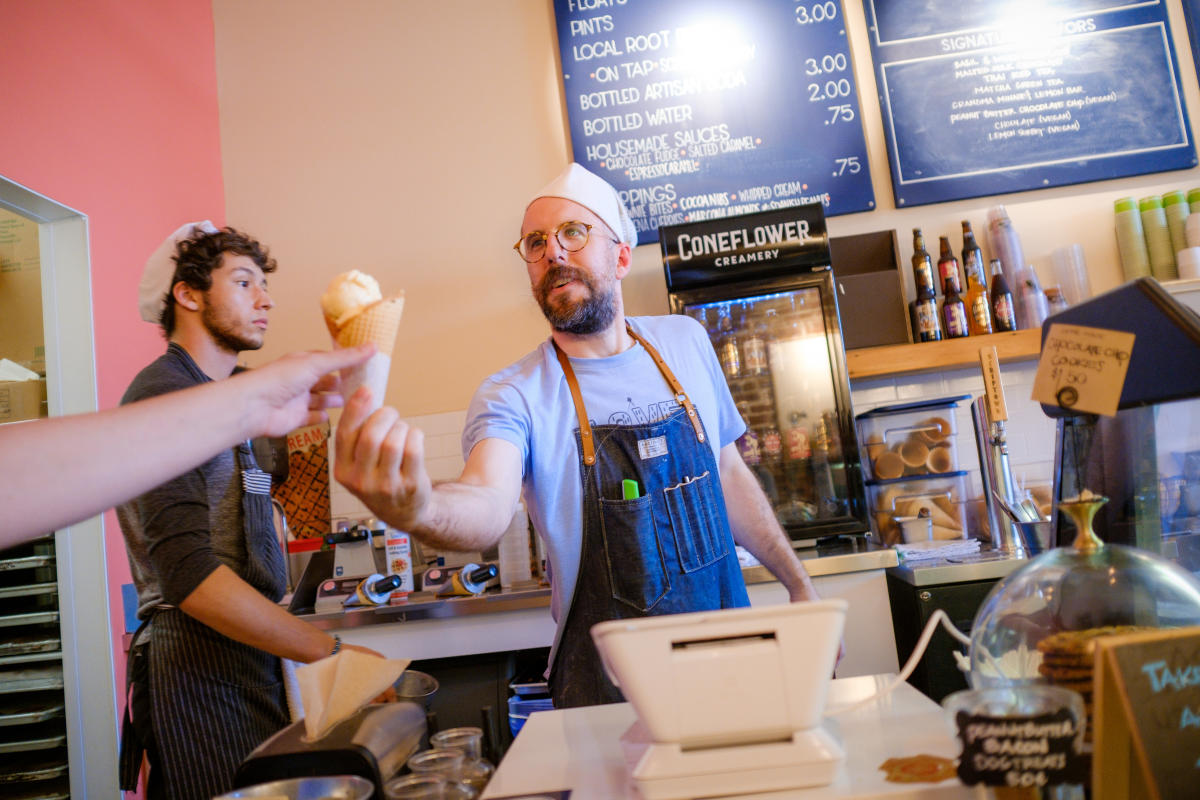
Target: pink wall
[[110, 107]]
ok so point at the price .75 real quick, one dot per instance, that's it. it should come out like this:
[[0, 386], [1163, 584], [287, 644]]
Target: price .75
[[846, 166], [840, 113]]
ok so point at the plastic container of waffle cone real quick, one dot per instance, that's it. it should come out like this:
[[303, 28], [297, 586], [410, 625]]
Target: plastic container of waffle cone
[[889, 465], [940, 459], [913, 431], [377, 323], [914, 452]]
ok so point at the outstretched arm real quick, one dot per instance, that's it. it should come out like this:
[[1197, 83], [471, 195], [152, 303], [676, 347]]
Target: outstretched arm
[[57, 471], [381, 460]]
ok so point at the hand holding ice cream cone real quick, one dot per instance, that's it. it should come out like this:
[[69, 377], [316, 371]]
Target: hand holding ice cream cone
[[356, 313]]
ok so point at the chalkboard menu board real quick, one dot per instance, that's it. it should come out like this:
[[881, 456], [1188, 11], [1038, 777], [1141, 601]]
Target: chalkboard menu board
[[1148, 686], [698, 109], [982, 99]]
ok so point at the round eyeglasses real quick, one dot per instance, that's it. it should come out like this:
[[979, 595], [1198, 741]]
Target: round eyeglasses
[[572, 236]]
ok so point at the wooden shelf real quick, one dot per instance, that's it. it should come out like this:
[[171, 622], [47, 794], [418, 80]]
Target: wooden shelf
[[897, 359]]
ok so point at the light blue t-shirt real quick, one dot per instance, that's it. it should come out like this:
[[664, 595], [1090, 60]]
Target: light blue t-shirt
[[529, 404]]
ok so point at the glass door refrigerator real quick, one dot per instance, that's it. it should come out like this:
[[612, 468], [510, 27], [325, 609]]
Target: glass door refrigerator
[[762, 286]]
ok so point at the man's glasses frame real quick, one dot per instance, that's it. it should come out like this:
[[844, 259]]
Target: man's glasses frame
[[532, 246]]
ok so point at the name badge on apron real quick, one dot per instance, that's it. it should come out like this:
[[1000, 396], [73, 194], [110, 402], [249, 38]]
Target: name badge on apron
[[652, 447]]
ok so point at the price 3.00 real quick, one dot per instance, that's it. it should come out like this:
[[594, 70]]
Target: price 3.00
[[811, 13]]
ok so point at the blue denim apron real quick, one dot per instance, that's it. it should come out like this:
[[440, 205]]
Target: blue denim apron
[[668, 551]]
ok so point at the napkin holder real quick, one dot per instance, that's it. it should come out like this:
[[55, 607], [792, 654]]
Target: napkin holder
[[374, 743]]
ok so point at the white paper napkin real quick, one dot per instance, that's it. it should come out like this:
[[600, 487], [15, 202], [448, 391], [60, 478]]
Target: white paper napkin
[[12, 371], [336, 687]]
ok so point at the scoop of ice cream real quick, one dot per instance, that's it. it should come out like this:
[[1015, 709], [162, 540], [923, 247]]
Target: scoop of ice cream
[[347, 295]]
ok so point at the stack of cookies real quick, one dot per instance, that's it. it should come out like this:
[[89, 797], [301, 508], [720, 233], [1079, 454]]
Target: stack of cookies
[[1068, 660]]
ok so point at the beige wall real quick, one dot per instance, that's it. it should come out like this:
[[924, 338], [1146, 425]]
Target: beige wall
[[403, 137]]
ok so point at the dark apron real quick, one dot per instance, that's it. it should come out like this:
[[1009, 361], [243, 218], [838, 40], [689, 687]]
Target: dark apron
[[666, 552], [211, 700]]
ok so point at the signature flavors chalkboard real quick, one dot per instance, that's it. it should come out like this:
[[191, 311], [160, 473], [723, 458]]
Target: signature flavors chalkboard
[[699, 109], [987, 98]]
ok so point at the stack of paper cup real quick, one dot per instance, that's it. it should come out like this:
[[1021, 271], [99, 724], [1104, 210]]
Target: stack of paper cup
[[1071, 271], [1188, 260]]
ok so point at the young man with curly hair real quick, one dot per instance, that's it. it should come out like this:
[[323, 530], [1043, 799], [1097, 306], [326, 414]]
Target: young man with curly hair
[[206, 673]]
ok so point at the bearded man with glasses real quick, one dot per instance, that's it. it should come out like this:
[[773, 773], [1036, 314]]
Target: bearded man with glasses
[[617, 433]]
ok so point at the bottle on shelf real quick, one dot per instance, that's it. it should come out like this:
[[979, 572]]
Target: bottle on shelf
[[728, 349], [948, 265], [1004, 316], [954, 310], [772, 443], [979, 310], [972, 253], [926, 325], [748, 444], [799, 439], [833, 436], [754, 350], [1006, 246]]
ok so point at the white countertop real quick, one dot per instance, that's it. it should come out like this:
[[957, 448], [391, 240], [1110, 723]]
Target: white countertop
[[579, 749]]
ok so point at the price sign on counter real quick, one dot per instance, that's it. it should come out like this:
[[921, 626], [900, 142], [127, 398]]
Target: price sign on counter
[[1020, 751], [1148, 715], [1082, 368], [699, 109]]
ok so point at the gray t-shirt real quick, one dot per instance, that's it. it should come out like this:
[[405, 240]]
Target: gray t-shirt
[[530, 405], [179, 532]]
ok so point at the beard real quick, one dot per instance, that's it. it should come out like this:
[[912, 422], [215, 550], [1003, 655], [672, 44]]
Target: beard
[[595, 312], [225, 333]]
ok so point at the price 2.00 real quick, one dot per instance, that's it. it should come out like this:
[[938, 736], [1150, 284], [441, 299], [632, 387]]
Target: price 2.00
[[811, 13], [829, 90]]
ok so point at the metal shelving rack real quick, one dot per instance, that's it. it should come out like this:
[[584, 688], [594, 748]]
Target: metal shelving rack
[[33, 727]]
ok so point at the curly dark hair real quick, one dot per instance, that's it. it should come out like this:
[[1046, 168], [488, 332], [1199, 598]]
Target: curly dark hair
[[196, 258]]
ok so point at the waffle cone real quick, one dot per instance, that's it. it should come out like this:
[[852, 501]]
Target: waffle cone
[[376, 323]]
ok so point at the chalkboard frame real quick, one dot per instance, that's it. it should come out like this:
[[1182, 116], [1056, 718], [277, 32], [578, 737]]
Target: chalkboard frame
[[912, 141], [799, 155]]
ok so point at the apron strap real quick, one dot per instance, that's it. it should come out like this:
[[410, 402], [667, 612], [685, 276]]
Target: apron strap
[[676, 387], [585, 427]]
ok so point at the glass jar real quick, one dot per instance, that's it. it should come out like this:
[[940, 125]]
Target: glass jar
[[476, 770], [438, 761], [427, 787]]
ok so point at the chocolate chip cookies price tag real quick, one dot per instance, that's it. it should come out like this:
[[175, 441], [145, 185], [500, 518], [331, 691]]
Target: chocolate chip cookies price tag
[[1083, 369]]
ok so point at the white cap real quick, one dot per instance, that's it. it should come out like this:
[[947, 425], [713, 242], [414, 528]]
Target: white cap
[[160, 269], [596, 195]]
